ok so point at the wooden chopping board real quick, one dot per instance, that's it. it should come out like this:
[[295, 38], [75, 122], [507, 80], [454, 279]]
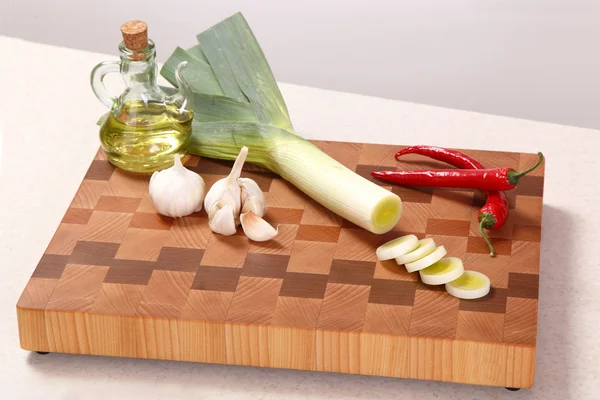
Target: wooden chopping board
[[118, 279]]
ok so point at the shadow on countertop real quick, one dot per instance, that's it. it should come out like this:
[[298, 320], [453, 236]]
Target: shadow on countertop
[[553, 375]]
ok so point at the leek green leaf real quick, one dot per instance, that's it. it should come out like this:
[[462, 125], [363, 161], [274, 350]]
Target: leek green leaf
[[209, 108], [218, 62], [198, 74], [197, 52], [247, 63]]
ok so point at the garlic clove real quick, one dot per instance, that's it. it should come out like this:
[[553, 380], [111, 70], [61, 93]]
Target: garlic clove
[[223, 221], [253, 198], [176, 191], [253, 205], [213, 210], [214, 194], [256, 228]]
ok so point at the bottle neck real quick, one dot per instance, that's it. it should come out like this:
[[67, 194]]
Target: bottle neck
[[138, 68]]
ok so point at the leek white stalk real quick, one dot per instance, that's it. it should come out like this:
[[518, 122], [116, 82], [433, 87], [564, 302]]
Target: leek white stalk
[[338, 188], [303, 164]]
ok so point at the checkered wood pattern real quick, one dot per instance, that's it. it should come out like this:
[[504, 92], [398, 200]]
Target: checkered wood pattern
[[113, 254]]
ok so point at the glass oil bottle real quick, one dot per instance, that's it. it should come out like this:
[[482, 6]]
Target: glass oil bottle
[[146, 128]]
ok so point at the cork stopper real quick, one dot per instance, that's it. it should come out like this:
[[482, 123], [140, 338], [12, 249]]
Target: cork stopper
[[135, 34]]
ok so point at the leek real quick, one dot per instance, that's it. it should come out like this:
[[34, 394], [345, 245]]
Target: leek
[[238, 103]]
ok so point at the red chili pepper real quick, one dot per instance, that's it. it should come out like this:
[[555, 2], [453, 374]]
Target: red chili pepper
[[492, 215], [494, 212], [452, 157], [484, 179]]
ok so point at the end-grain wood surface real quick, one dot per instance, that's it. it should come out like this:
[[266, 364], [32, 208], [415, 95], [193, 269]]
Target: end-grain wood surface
[[118, 279]]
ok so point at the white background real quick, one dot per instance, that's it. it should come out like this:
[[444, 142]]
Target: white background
[[44, 165], [534, 59]]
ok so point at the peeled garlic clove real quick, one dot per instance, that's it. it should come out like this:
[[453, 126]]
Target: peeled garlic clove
[[176, 191], [253, 198], [223, 221], [256, 228]]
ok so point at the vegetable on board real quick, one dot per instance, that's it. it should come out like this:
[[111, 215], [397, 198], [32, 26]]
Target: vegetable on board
[[494, 212], [484, 179], [237, 103], [443, 271], [433, 267], [470, 285], [176, 191], [397, 247], [424, 247], [232, 201]]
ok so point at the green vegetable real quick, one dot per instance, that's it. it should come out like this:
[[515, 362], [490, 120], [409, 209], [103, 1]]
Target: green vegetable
[[238, 103]]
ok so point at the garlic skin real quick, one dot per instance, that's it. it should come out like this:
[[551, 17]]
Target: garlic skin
[[256, 228], [176, 191]]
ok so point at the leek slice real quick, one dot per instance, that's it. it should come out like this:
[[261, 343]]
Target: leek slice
[[444, 271], [426, 261], [470, 285], [425, 247], [397, 247]]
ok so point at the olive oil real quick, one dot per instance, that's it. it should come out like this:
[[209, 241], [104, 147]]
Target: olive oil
[[146, 127], [146, 137]]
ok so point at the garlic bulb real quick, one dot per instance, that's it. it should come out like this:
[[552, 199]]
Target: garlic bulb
[[224, 192], [176, 191], [233, 195]]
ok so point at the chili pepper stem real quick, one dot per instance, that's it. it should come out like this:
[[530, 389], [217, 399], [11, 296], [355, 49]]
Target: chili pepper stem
[[485, 237], [514, 176]]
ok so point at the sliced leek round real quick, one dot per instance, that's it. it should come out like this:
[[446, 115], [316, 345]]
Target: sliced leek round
[[444, 271], [426, 261], [470, 285], [397, 247], [425, 247]]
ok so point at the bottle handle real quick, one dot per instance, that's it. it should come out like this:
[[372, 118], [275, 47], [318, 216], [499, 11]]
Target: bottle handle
[[97, 81]]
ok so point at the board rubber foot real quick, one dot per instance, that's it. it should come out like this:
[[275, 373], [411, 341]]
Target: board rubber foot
[[43, 352], [513, 389]]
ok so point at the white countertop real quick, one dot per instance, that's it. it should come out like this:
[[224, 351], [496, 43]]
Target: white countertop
[[48, 115]]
